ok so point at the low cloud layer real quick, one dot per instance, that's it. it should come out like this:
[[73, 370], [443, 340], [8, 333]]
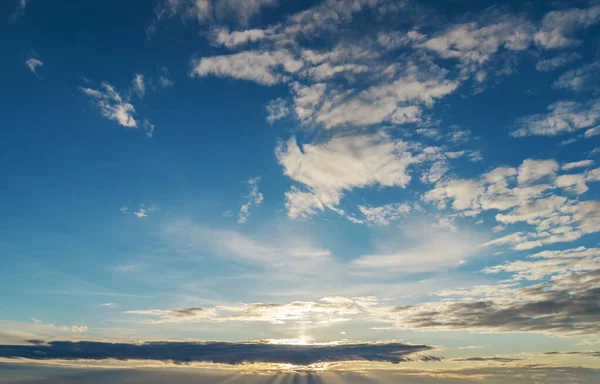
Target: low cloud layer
[[216, 352]]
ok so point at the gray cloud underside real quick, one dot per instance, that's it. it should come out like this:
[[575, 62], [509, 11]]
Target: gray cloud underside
[[216, 352], [566, 305]]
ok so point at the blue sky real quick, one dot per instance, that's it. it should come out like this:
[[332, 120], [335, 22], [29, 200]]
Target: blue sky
[[315, 171]]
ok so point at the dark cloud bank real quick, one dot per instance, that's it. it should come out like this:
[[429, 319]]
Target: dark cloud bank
[[216, 352]]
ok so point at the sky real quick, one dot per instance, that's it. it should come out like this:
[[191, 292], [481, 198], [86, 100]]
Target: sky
[[300, 191]]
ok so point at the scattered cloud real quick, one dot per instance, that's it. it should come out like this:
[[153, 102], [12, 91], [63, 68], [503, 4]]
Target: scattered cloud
[[138, 85], [277, 110], [111, 105], [558, 61], [384, 214], [141, 212], [254, 198], [528, 194], [580, 79], [115, 107], [562, 117], [557, 27], [577, 164], [164, 79], [33, 64]]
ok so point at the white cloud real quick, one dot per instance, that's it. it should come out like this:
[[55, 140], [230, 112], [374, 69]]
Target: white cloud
[[110, 305], [341, 164], [36, 321], [556, 220], [551, 262], [592, 132], [475, 44], [532, 171], [327, 310], [578, 164], [558, 26], [139, 87], [111, 105], [553, 63], [421, 249], [562, 117], [141, 211], [572, 183], [260, 67], [236, 38], [277, 109], [254, 198], [586, 77], [384, 214], [79, 328], [33, 64], [238, 12]]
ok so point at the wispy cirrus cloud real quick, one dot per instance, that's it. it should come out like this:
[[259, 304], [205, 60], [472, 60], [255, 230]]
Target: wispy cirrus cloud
[[33, 64], [115, 107], [253, 198]]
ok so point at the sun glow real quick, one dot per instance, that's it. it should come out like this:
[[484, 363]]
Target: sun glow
[[299, 341]]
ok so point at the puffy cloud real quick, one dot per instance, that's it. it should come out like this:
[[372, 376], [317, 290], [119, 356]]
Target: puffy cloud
[[474, 44], [33, 64], [254, 198], [558, 27], [235, 38], [532, 171], [556, 220], [572, 183], [553, 63], [523, 195], [562, 117], [341, 164]]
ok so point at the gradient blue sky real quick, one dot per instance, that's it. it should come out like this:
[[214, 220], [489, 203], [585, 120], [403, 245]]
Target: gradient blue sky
[[372, 170]]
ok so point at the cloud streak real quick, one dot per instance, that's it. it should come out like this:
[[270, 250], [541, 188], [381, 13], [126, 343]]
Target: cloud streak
[[216, 352]]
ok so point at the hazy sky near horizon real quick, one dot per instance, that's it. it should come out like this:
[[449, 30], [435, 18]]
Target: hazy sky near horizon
[[390, 178]]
